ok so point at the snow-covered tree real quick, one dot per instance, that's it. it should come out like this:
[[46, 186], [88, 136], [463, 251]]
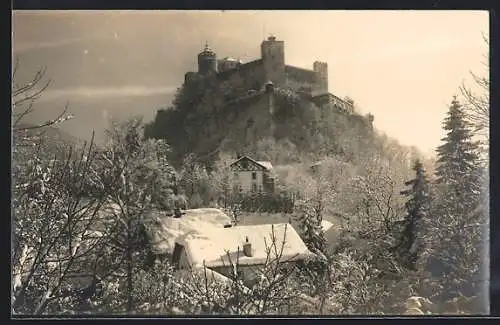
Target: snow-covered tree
[[309, 221], [458, 218], [55, 240], [24, 98], [133, 161], [457, 164], [410, 243], [314, 272]]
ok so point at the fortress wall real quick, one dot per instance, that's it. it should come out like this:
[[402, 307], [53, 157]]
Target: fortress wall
[[299, 85], [300, 79], [305, 75], [248, 76]]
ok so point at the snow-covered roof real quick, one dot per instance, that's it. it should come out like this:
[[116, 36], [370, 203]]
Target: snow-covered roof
[[211, 215], [212, 245], [266, 164], [169, 229], [326, 225]]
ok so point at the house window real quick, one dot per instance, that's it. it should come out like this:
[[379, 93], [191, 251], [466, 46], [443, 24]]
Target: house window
[[260, 188], [235, 174], [254, 175], [254, 187]]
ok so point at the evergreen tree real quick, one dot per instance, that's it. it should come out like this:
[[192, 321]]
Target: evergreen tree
[[410, 242], [457, 226], [457, 165], [315, 272], [309, 220]]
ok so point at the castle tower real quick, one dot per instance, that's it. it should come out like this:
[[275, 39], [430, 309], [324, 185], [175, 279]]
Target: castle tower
[[207, 61], [321, 69], [273, 58]]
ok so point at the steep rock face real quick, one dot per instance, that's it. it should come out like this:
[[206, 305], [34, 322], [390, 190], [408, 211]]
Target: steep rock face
[[237, 123], [208, 118], [268, 113], [250, 118]]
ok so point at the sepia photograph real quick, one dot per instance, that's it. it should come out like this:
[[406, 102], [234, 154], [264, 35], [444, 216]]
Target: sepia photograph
[[173, 163]]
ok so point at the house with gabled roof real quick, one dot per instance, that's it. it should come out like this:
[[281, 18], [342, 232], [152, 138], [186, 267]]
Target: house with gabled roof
[[251, 176], [248, 247]]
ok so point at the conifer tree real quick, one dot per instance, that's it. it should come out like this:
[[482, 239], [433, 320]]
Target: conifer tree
[[309, 220], [410, 242], [315, 272], [457, 165], [457, 223]]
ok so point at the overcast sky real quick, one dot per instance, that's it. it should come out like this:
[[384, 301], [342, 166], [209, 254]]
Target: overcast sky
[[402, 66]]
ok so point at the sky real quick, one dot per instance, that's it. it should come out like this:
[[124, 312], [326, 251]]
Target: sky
[[404, 67]]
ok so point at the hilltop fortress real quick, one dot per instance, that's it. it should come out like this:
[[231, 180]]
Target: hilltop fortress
[[270, 68], [229, 105]]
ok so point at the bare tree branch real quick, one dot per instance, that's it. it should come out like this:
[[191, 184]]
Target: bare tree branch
[[477, 105], [24, 96]]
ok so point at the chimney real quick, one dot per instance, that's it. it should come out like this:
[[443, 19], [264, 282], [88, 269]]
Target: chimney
[[269, 87], [247, 248]]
